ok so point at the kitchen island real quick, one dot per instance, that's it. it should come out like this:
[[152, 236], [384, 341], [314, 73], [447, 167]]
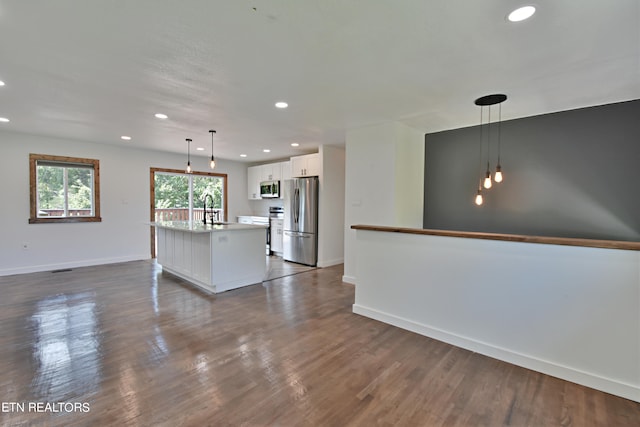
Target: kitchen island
[[214, 257]]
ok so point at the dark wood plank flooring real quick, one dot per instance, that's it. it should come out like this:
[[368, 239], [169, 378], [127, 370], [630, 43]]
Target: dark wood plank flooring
[[278, 267], [140, 348]]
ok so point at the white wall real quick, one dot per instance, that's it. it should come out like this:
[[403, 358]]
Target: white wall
[[570, 312], [409, 189], [124, 203], [331, 206], [384, 181]]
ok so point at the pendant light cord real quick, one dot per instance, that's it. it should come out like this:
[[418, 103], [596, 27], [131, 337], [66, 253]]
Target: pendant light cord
[[489, 138], [212, 132], [480, 154], [212, 163], [499, 132]]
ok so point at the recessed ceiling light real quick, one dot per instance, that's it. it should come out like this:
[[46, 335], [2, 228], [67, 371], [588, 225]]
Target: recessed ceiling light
[[243, 155], [266, 150], [1, 83], [281, 104], [200, 149], [125, 137], [4, 120], [521, 13], [295, 144], [162, 116]]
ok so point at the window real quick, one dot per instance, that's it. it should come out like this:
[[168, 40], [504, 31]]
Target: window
[[64, 189]]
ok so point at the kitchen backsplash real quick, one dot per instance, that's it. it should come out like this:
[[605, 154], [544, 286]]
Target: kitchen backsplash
[[261, 207]]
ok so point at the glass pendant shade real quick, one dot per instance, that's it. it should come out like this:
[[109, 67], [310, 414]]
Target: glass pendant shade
[[479, 198], [212, 163], [487, 180], [497, 177]]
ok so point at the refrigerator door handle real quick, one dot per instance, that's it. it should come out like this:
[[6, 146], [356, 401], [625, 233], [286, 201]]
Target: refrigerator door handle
[[294, 234], [296, 206]]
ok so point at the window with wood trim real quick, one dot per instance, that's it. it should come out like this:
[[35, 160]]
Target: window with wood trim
[[63, 189]]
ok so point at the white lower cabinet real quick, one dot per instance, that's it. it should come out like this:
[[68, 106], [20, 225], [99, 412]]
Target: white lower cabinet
[[277, 226], [217, 260], [200, 258], [245, 220]]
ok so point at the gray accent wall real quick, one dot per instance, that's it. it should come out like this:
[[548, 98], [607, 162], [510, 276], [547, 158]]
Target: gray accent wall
[[568, 174]]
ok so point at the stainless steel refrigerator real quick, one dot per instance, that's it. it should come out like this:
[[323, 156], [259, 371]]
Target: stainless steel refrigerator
[[300, 233]]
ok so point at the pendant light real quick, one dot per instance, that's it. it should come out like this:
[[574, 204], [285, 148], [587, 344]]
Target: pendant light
[[188, 155], [488, 101], [487, 177], [498, 175], [212, 164], [479, 199]]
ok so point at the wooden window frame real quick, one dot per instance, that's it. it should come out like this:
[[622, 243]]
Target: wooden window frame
[[63, 160]]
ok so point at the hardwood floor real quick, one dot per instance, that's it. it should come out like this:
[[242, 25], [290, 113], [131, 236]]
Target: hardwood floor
[[278, 267], [130, 346]]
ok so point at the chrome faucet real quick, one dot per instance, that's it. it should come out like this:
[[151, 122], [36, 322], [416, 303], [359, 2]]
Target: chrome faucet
[[211, 212]]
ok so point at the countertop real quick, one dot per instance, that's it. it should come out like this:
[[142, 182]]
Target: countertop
[[199, 227], [606, 244]]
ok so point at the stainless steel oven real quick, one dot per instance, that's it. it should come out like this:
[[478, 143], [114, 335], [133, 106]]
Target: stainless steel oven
[[276, 215]]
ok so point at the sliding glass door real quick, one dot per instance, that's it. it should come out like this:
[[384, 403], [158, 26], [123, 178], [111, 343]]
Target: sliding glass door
[[172, 197], [201, 187], [179, 196]]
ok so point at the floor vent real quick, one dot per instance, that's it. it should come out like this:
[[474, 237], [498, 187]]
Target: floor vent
[[61, 270]]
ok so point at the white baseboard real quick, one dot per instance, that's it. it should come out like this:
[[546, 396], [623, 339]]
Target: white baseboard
[[351, 280], [587, 379], [70, 264], [330, 262]]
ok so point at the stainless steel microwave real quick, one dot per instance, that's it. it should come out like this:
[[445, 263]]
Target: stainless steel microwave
[[270, 189]]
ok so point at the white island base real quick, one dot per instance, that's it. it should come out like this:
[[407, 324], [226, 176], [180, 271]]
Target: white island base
[[216, 258]]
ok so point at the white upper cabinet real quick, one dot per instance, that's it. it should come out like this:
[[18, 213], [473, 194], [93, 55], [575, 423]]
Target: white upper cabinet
[[307, 165], [285, 170], [286, 174], [300, 166], [271, 171], [254, 176]]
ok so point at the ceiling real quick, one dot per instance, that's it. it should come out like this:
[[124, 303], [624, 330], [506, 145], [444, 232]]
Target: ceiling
[[96, 70]]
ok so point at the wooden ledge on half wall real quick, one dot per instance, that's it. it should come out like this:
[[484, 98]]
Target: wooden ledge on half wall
[[566, 241]]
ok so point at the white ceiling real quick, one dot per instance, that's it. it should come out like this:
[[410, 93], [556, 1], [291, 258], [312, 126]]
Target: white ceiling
[[94, 70]]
